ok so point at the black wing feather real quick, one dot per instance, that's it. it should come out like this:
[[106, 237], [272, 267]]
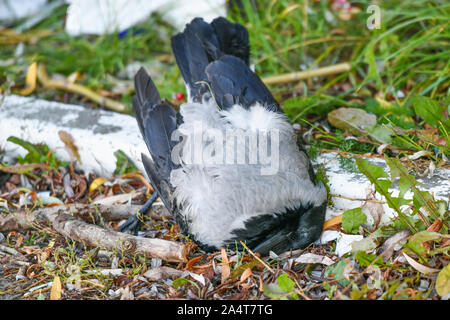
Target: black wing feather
[[157, 121]]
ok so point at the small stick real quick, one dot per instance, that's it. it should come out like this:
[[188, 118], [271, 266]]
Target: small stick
[[77, 88], [256, 257], [302, 75], [11, 251], [356, 199]]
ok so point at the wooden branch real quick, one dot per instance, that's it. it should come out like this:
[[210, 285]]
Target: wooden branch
[[302, 75], [95, 236]]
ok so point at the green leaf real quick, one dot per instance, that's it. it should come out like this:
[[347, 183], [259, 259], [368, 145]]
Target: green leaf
[[50, 200], [369, 58], [415, 242], [123, 164], [367, 243], [352, 120], [365, 259], [25, 144], [273, 290], [34, 154], [380, 133], [179, 282], [443, 281], [37, 153], [286, 284], [352, 219], [371, 171], [430, 111], [335, 271], [278, 290]]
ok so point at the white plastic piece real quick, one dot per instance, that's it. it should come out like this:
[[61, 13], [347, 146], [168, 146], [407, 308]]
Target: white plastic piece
[[106, 16]]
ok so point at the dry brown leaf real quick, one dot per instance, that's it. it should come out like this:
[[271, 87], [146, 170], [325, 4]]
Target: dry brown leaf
[[225, 272], [388, 245], [69, 142], [190, 263], [436, 226], [332, 222], [247, 273], [375, 209], [141, 178], [224, 256]]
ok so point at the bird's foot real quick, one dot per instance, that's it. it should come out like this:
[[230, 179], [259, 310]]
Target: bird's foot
[[134, 223]]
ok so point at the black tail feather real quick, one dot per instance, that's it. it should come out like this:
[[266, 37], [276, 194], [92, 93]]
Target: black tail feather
[[202, 43], [233, 38], [233, 82]]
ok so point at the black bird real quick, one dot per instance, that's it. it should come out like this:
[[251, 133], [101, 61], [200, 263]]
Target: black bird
[[221, 191]]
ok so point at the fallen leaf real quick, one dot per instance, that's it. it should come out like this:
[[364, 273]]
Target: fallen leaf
[[388, 245], [190, 263], [375, 209], [118, 198], [69, 142], [30, 80], [159, 273], [352, 120], [141, 178], [55, 293], [314, 258], [224, 256], [198, 277], [127, 294], [367, 243], [97, 183], [443, 281], [332, 222], [247, 273], [225, 272], [225, 266], [436, 226], [419, 154], [418, 266]]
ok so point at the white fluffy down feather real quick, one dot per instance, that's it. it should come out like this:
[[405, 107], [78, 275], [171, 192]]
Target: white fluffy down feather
[[217, 197]]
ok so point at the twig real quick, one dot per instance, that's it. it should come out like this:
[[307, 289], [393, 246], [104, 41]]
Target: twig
[[301, 75], [300, 290], [11, 251], [256, 257], [79, 89], [356, 199], [347, 154]]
